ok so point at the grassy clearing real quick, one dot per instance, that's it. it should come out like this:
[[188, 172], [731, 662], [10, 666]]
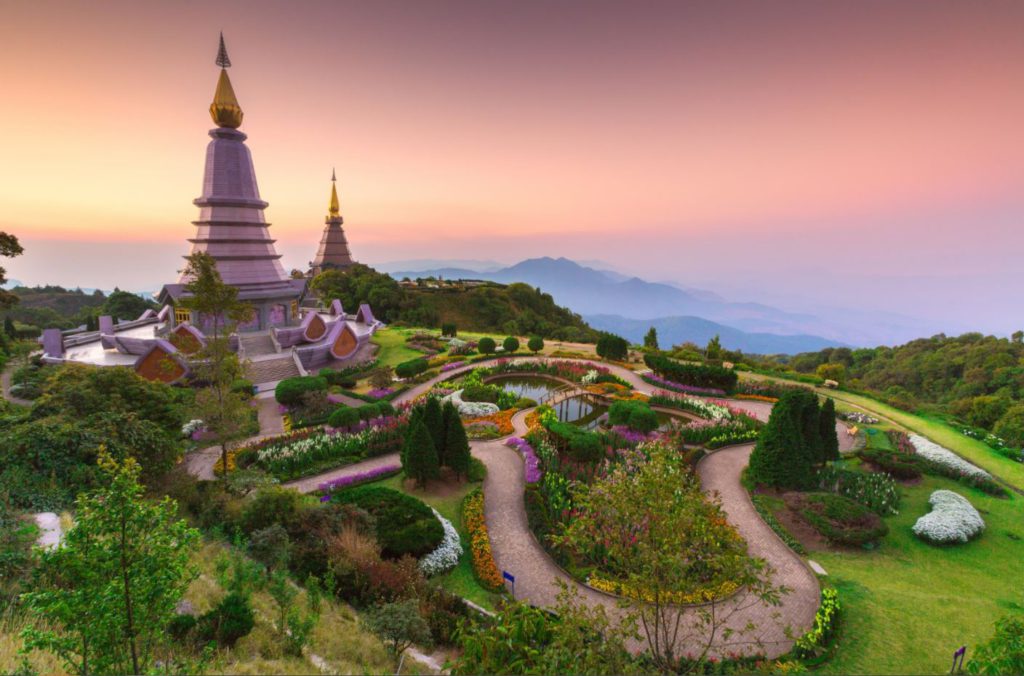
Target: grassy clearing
[[908, 605], [391, 346], [460, 580]]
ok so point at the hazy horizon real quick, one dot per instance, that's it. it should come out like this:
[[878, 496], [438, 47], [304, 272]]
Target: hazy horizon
[[802, 154]]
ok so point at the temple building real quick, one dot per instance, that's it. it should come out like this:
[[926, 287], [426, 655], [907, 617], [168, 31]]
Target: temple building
[[231, 225], [333, 251]]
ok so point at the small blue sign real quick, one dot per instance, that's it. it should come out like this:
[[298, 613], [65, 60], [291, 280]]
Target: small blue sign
[[508, 576]]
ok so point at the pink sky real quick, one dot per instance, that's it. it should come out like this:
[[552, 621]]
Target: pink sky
[[845, 148]]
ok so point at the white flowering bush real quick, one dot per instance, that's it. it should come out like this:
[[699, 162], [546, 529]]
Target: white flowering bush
[[952, 519], [932, 451], [471, 409], [191, 427], [590, 378], [447, 554]]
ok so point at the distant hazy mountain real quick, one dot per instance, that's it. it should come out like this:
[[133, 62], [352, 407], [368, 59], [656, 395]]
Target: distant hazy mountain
[[589, 291], [675, 330], [396, 268]]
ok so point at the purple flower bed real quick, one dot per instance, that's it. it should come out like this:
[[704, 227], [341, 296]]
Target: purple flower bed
[[679, 387], [379, 393], [329, 487], [533, 473], [633, 437], [451, 366]]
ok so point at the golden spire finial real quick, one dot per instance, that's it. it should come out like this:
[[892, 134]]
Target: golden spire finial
[[225, 110], [334, 210]]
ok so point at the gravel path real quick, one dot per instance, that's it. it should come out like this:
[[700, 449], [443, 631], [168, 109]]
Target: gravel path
[[5, 382]]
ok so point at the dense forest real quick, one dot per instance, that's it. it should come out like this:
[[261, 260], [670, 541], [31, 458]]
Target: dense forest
[[515, 309], [48, 306], [977, 378]]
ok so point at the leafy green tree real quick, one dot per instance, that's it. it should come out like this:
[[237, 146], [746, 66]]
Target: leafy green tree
[[655, 530], [713, 351], [827, 430], [1011, 426], [419, 456], [456, 447], [449, 329], [361, 284], [1004, 652], [536, 344], [225, 413], [510, 344], [651, 339], [399, 625], [986, 410], [270, 546], [576, 638], [103, 601], [486, 345], [294, 626], [836, 372], [9, 326], [9, 248], [124, 305]]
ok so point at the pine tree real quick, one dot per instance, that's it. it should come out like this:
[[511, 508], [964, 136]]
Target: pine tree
[[783, 456], [827, 425], [651, 339], [419, 455], [450, 417], [810, 428], [457, 448], [433, 418]]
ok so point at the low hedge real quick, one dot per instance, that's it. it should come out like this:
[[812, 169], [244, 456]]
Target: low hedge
[[696, 375], [290, 390], [405, 525], [636, 415], [838, 518], [581, 445], [411, 368]]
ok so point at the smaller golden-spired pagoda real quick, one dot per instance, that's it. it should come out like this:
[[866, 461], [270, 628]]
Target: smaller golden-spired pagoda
[[333, 252]]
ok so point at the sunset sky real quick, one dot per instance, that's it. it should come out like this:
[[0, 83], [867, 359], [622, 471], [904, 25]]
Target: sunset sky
[[853, 154]]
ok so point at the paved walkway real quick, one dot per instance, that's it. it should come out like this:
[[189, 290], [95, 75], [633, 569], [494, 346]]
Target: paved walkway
[[537, 576], [5, 382], [201, 462]]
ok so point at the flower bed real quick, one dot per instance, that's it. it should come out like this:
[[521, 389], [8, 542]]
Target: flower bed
[[369, 475], [480, 542], [877, 492], [838, 518], [447, 554], [657, 380], [768, 517], [532, 470], [451, 366], [292, 455], [705, 408], [952, 520], [716, 593], [757, 397], [502, 419], [584, 373], [826, 622], [932, 451]]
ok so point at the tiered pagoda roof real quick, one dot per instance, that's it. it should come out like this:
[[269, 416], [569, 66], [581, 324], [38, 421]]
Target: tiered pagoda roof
[[333, 251]]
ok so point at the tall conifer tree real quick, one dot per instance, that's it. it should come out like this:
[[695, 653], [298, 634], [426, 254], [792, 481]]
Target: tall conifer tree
[[827, 426]]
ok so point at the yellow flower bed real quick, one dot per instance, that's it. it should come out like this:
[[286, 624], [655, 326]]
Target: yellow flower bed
[[616, 391], [286, 422], [503, 419], [480, 542], [533, 421], [757, 397], [676, 598], [232, 466]]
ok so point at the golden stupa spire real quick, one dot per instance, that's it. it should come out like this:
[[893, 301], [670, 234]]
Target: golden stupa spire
[[334, 210], [225, 110]]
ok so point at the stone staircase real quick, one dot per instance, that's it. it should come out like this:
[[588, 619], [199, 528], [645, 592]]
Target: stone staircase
[[272, 370], [257, 345]]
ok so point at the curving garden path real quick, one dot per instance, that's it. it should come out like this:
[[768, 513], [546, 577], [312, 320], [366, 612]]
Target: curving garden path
[[517, 551]]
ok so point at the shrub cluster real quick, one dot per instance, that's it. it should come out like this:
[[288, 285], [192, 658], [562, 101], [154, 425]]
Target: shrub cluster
[[877, 492], [346, 417], [636, 415], [290, 391], [405, 525], [826, 623], [582, 446], [698, 375], [610, 346], [799, 435], [952, 520], [411, 368], [838, 518]]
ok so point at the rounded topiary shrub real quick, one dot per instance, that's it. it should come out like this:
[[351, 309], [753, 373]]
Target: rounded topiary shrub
[[413, 367], [344, 417], [838, 518], [487, 345], [485, 393], [511, 344], [405, 525]]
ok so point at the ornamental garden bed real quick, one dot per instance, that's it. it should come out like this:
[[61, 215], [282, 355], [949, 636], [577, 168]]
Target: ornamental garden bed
[[837, 518]]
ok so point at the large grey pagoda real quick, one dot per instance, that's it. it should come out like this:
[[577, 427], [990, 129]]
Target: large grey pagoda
[[333, 251], [231, 227]]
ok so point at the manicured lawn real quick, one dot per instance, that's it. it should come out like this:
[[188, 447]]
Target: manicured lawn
[[392, 350], [460, 580], [908, 605]]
